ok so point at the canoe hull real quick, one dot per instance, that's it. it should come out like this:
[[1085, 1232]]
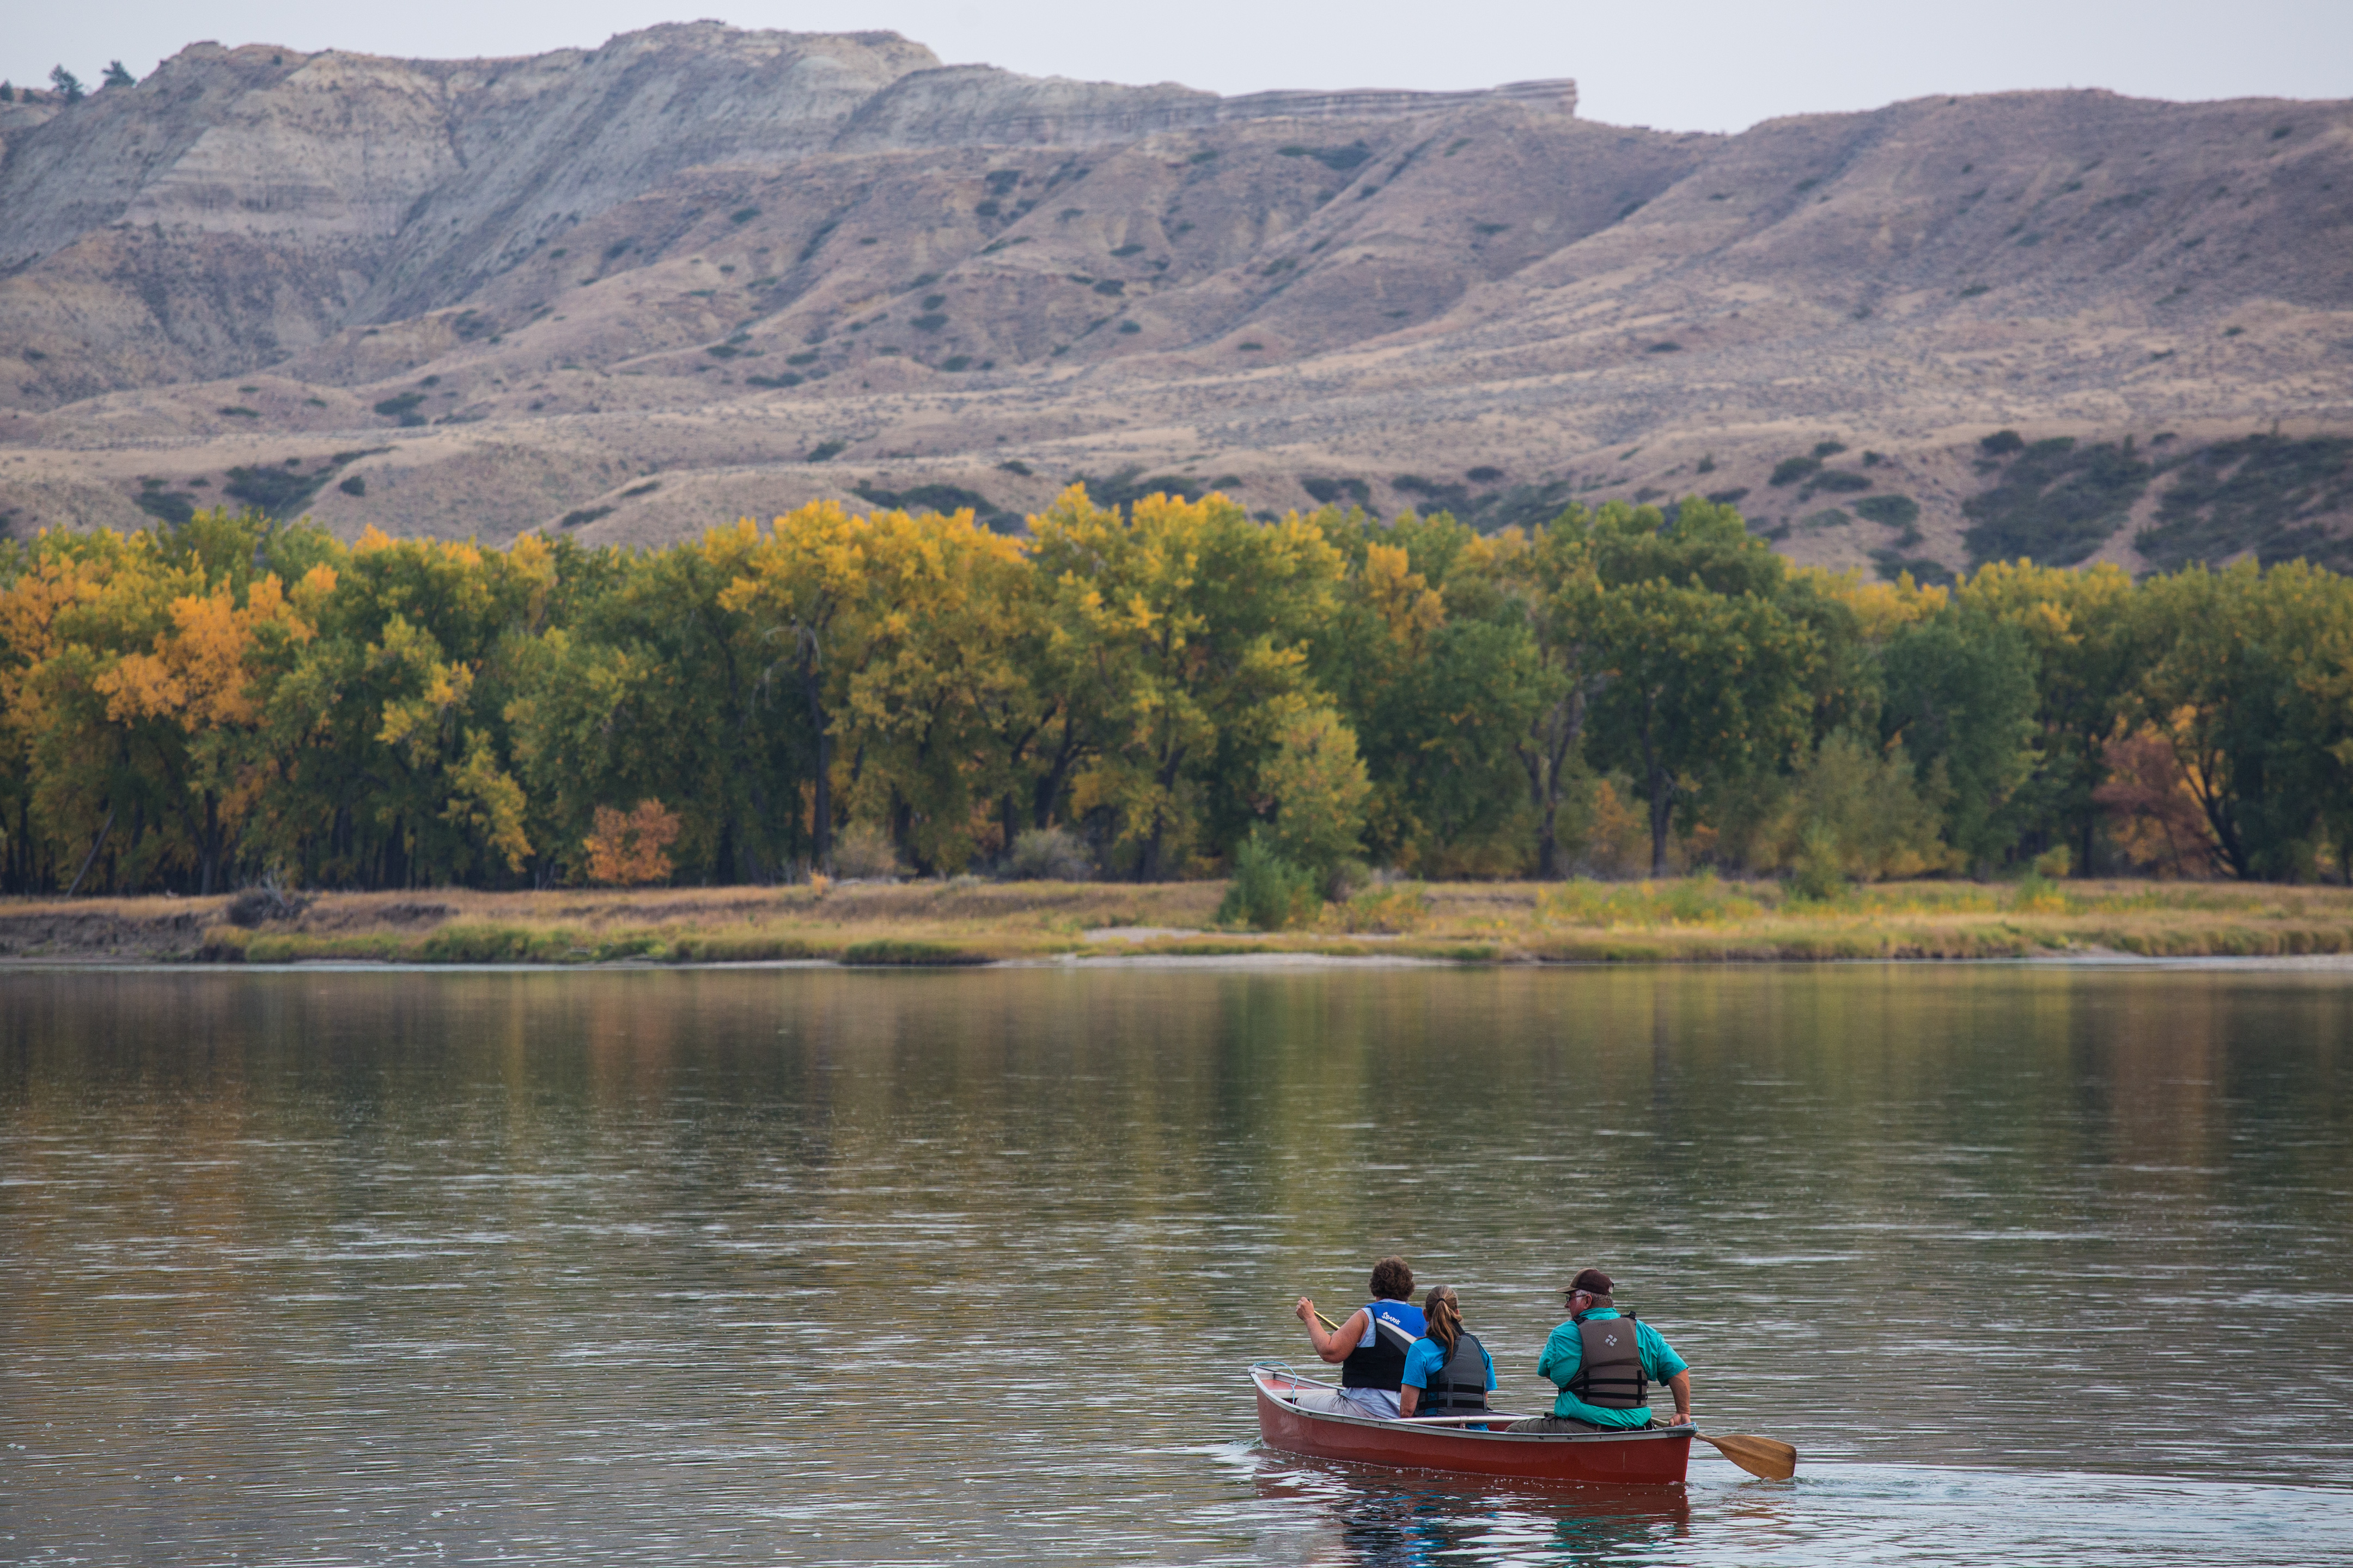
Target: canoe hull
[[1647, 1458]]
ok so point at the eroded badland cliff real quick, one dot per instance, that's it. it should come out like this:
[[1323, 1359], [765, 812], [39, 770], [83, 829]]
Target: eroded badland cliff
[[701, 273]]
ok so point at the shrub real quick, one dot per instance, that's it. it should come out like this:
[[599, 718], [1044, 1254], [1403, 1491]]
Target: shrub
[[1393, 911], [477, 944], [1894, 512], [1840, 480], [743, 215], [1048, 855], [862, 849], [278, 492], [1859, 812], [2056, 502], [584, 514], [628, 848], [1816, 877], [354, 486], [1267, 892], [892, 951], [1339, 160], [403, 408], [2001, 443], [1789, 470], [1328, 491], [824, 451], [267, 900], [2274, 495], [1694, 900], [736, 947]]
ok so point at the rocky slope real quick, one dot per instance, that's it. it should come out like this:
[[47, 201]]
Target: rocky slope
[[700, 272]]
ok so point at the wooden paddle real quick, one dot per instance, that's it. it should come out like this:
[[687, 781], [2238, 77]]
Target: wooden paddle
[[1761, 1456]]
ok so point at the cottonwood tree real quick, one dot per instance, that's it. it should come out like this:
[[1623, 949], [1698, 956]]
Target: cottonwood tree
[[1177, 631], [1696, 668]]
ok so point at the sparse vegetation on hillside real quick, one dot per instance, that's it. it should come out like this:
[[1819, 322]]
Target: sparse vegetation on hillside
[[2055, 500], [2264, 495]]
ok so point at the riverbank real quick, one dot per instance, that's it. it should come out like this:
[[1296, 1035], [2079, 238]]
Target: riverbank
[[967, 921]]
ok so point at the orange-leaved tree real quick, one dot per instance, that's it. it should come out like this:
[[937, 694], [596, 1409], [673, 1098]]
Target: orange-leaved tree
[[631, 847]]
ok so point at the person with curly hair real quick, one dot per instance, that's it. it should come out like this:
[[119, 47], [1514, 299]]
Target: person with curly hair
[[1369, 1348]]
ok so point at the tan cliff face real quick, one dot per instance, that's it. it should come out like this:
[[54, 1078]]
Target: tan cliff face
[[637, 286]]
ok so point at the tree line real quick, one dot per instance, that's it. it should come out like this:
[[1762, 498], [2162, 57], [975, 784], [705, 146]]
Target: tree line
[[1149, 693]]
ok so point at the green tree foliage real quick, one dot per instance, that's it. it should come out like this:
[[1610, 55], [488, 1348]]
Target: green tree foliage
[[2246, 675], [1163, 689], [1859, 812], [1960, 699], [2080, 629], [1178, 634], [1431, 658], [68, 85], [1701, 669], [116, 76]]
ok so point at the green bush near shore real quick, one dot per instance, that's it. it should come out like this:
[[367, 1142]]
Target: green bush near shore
[[890, 951]]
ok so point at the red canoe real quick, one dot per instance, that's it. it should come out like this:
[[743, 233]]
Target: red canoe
[[1655, 1457]]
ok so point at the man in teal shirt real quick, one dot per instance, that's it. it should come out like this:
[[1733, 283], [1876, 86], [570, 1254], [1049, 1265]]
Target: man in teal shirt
[[1603, 1371]]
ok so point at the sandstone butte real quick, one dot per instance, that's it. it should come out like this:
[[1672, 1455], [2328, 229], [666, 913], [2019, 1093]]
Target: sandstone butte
[[701, 273]]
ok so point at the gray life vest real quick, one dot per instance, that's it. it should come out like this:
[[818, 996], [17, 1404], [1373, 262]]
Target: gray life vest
[[1610, 1368], [1460, 1386]]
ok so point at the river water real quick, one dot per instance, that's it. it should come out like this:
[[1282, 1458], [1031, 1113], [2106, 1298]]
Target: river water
[[2045, 1265]]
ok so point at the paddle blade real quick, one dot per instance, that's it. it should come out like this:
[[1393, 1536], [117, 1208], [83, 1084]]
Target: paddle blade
[[1758, 1456]]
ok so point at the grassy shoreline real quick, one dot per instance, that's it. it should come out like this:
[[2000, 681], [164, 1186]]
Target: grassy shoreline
[[967, 921]]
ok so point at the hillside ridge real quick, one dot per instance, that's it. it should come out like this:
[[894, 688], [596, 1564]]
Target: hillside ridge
[[698, 272]]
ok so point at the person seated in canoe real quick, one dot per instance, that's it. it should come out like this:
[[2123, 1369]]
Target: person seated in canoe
[[1369, 1348], [1604, 1364], [1448, 1371]]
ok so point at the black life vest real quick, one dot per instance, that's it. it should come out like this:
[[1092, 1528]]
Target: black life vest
[[1460, 1386], [1381, 1364], [1610, 1368]]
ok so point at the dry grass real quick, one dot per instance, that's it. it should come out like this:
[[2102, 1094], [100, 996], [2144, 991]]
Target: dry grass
[[1694, 920]]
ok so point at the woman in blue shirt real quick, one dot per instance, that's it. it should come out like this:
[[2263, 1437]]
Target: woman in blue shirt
[[1448, 1371]]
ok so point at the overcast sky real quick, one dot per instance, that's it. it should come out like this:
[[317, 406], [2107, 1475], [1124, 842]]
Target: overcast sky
[[1702, 65]]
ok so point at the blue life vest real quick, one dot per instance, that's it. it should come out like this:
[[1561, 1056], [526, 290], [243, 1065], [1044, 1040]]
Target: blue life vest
[[1381, 1364]]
